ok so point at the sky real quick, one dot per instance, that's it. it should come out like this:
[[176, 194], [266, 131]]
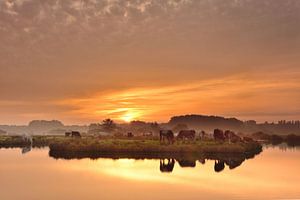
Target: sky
[[80, 61]]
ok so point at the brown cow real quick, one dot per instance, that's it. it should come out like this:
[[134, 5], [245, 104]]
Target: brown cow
[[166, 134], [75, 134], [232, 137], [186, 134], [67, 134], [202, 135], [219, 135], [129, 135], [248, 139]]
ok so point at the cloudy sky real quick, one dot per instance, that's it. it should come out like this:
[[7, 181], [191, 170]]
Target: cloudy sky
[[80, 61]]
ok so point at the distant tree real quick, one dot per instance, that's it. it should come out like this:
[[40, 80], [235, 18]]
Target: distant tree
[[108, 125], [94, 128]]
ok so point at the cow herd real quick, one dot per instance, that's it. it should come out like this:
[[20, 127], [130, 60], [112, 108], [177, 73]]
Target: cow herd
[[74, 134], [186, 135], [190, 135]]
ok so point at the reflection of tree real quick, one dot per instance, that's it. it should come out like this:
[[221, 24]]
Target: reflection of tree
[[167, 165]]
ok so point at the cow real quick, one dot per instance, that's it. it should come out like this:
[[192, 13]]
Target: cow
[[227, 134], [67, 134], [167, 167], [75, 134], [186, 134], [202, 135], [219, 166], [248, 139], [166, 134], [232, 137], [129, 135], [219, 135]]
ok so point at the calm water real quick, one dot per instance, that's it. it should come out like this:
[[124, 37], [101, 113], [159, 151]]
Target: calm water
[[273, 174]]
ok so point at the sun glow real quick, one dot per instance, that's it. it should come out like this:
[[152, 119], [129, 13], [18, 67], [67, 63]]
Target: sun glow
[[129, 116]]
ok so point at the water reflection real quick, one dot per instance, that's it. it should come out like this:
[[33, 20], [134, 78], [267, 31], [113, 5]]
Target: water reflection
[[128, 178], [167, 165], [219, 166], [167, 161], [26, 149]]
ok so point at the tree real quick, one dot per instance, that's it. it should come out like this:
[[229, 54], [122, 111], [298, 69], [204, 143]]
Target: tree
[[108, 125]]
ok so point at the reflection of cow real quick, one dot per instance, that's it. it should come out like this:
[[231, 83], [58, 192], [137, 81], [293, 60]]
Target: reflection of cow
[[187, 163], [219, 166], [166, 134], [234, 162], [75, 134], [168, 166], [186, 134], [26, 149], [219, 135], [202, 161]]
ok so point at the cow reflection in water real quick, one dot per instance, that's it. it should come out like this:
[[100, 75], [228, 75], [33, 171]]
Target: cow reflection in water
[[187, 163], [26, 149], [219, 165], [232, 163], [167, 165]]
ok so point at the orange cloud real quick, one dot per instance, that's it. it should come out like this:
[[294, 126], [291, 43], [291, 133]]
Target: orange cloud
[[238, 96]]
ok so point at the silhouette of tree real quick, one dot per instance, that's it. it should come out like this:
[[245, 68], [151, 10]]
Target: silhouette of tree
[[108, 125]]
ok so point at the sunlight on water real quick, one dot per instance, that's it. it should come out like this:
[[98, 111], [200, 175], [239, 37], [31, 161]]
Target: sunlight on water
[[271, 175]]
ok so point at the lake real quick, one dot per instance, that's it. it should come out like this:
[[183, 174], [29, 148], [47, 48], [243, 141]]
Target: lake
[[273, 174]]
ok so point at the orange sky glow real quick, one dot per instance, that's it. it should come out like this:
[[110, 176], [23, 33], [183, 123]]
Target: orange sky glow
[[83, 61]]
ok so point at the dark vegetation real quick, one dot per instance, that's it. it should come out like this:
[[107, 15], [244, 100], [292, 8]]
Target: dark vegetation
[[209, 123], [176, 123], [290, 140]]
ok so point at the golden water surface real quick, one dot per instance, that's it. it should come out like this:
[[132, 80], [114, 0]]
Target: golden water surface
[[273, 174]]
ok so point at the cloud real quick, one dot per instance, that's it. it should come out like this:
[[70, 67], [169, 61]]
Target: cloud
[[64, 49], [231, 96]]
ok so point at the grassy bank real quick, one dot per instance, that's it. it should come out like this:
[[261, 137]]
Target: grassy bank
[[37, 141], [136, 147], [150, 146]]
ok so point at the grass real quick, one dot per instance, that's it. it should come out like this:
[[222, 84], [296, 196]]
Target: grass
[[149, 146], [68, 147]]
